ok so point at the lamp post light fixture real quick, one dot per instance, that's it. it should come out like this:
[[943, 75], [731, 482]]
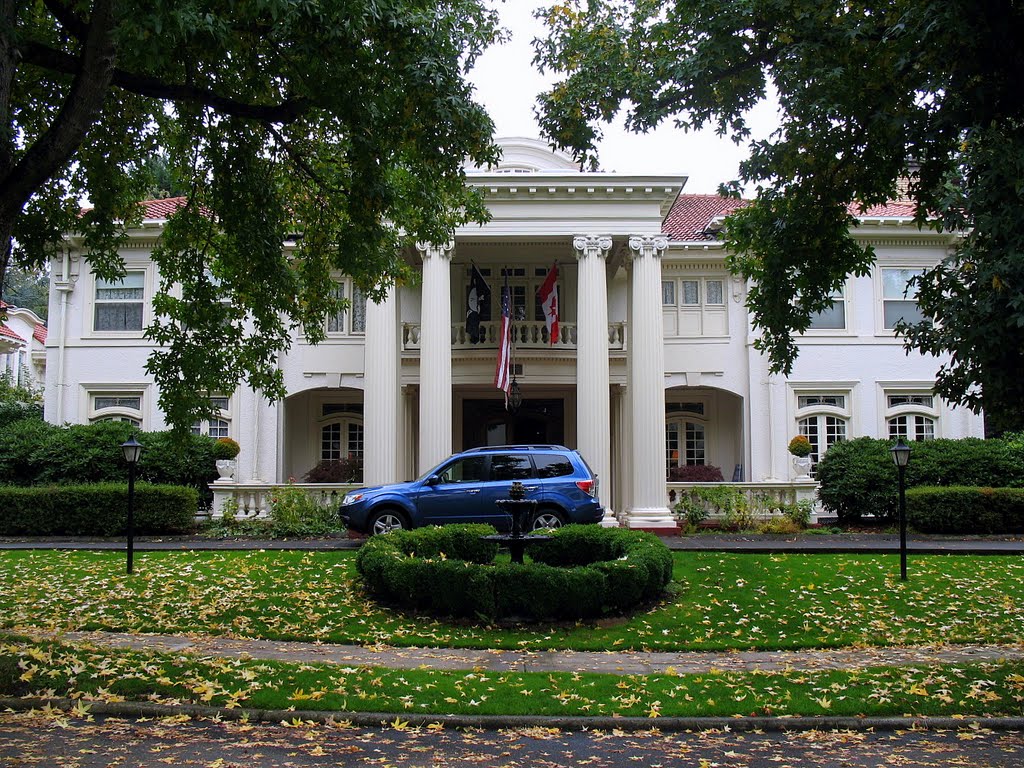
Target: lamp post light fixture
[[132, 450], [515, 397], [901, 456]]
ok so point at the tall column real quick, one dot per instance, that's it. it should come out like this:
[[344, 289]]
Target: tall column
[[435, 355], [593, 408], [647, 387], [381, 395]]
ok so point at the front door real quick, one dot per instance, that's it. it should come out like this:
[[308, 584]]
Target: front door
[[486, 422]]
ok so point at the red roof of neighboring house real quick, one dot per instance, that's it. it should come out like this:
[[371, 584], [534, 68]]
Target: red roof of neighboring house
[[7, 332], [887, 210], [691, 215], [39, 334]]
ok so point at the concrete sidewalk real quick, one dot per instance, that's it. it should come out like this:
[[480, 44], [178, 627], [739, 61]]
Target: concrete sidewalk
[[866, 543]]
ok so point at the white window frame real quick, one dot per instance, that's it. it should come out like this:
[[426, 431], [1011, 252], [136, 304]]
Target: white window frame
[[912, 410], [821, 413], [148, 272], [202, 426], [840, 296], [121, 412], [682, 419], [881, 268], [702, 307], [347, 316]]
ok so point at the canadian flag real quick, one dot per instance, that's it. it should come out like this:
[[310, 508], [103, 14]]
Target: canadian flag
[[548, 293]]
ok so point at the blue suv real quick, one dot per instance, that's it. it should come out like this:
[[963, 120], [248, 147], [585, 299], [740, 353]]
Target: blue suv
[[465, 487]]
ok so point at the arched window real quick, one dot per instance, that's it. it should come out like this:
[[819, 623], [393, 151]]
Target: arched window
[[824, 420], [341, 432], [911, 415], [685, 435], [116, 406]]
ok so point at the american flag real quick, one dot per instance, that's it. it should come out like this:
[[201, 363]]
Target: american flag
[[501, 377]]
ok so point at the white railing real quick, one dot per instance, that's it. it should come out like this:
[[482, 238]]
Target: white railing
[[765, 495], [525, 334], [252, 500]]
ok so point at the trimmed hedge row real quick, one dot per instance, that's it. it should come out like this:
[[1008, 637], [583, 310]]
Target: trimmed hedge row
[[100, 509], [37, 453], [585, 571], [966, 510], [857, 477]]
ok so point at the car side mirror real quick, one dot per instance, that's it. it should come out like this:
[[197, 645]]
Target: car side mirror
[[433, 480]]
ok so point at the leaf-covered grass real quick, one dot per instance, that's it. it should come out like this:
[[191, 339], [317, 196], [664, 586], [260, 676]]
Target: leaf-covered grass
[[92, 674], [720, 601]]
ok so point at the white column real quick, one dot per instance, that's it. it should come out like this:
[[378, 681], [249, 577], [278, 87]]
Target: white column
[[647, 387], [381, 395], [435, 355], [593, 407]]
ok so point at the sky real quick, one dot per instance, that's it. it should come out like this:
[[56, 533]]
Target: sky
[[507, 84]]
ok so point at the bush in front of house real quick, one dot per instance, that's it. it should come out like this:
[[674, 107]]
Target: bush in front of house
[[695, 473], [97, 509], [966, 510], [582, 572], [336, 471], [858, 477], [38, 453]]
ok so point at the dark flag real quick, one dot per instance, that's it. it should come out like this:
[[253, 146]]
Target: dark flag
[[479, 295]]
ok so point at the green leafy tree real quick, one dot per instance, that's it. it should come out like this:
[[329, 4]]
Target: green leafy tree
[[338, 125], [28, 289], [870, 93]]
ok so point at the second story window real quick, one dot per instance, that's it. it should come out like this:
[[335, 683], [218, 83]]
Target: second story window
[[899, 297], [352, 319], [833, 318], [119, 305], [694, 307]]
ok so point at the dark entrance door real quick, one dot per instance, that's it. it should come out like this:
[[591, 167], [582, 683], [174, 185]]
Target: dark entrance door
[[486, 422]]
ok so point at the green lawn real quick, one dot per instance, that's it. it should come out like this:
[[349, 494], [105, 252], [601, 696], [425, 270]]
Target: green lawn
[[93, 674], [720, 601]]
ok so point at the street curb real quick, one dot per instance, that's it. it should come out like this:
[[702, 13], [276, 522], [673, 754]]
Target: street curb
[[502, 722]]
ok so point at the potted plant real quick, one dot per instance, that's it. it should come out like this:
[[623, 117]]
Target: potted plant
[[801, 449], [224, 451]]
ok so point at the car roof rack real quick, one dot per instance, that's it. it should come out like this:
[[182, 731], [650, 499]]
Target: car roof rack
[[483, 448]]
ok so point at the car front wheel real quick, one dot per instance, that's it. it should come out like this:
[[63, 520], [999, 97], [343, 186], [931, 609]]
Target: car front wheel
[[386, 521], [547, 518]]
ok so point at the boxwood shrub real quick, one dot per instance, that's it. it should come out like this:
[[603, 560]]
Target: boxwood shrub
[[857, 477], [37, 453], [966, 510], [99, 509], [584, 571]]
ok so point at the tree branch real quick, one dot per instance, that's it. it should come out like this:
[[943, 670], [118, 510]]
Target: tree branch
[[77, 114], [73, 25], [286, 111]]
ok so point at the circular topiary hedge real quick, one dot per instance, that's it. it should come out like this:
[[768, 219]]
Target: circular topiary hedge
[[584, 571]]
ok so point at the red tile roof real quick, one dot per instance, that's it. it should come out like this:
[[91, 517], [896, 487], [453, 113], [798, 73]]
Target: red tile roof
[[691, 215], [8, 333], [161, 209], [39, 334]]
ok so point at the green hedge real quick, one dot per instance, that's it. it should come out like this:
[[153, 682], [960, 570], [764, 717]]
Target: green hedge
[[585, 571], [858, 477], [99, 509], [37, 453], [966, 510]]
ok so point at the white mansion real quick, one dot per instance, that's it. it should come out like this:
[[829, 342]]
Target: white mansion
[[653, 364]]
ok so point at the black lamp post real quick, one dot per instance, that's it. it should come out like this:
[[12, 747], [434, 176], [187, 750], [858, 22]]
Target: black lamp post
[[900, 456], [132, 450]]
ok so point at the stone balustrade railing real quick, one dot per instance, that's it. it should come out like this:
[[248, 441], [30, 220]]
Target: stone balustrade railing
[[252, 500], [526, 335], [763, 495]]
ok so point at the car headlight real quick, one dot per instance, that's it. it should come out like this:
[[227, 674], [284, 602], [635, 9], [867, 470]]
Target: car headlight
[[351, 498]]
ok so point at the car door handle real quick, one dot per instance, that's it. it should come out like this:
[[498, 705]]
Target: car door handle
[[472, 490], [531, 487]]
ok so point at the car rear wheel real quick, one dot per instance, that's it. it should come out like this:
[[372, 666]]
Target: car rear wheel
[[386, 521], [547, 518]]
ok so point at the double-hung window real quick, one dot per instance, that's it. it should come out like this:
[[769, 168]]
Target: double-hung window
[[833, 318], [899, 297], [118, 305]]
